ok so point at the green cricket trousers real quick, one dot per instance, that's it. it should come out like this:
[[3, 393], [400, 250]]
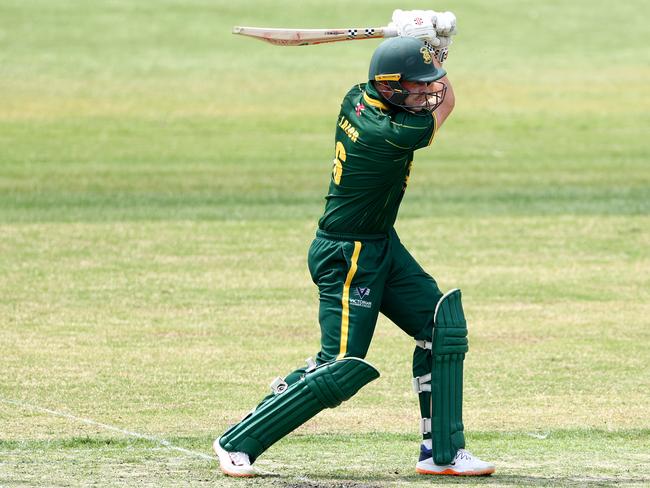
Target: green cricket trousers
[[358, 277]]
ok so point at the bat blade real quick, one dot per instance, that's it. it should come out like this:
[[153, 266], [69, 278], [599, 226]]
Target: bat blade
[[306, 37]]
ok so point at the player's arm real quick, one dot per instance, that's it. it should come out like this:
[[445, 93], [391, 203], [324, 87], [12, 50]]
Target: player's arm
[[435, 29], [445, 108]]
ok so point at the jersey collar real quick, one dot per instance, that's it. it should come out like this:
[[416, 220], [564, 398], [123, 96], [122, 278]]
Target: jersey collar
[[371, 97]]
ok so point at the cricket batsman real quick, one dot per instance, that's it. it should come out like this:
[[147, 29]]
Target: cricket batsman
[[361, 268]]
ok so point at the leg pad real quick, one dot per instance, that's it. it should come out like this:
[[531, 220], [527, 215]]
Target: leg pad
[[448, 350], [327, 386]]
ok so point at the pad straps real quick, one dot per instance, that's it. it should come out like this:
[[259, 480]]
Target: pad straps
[[422, 383]]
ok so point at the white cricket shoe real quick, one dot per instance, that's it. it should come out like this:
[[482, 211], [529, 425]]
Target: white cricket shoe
[[236, 464], [463, 464]]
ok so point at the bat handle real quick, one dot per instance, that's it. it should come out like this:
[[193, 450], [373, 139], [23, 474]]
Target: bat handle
[[390, 32]]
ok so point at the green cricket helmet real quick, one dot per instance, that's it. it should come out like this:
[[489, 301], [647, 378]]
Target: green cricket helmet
[[405, 59]]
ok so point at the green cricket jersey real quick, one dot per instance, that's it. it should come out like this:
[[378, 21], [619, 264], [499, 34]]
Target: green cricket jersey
[[372, 160]]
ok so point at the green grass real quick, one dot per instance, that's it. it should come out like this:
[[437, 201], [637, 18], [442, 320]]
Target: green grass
[[144, 463], [160, 182]]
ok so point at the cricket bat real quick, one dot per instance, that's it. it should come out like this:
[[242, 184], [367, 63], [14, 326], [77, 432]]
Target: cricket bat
[[307, 37]]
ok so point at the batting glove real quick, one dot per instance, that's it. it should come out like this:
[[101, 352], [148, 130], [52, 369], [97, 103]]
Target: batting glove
[[443, 22], [415, 23]]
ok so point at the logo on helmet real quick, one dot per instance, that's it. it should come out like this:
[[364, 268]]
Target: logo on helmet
[[426, 55]]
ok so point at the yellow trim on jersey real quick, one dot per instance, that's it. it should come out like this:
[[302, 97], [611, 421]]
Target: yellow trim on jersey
[[373, 102], [345, 301], [435, 127], [396, 145], [407, 126]]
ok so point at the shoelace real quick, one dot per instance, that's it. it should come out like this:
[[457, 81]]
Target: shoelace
[[239, 458], [463, 454]]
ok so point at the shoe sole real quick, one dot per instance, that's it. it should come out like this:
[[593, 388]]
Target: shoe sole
[[451, 472], [237, 475], [216, 447]]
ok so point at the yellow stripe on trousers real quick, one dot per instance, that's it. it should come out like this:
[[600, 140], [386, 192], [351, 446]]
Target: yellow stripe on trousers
[[345, 301]]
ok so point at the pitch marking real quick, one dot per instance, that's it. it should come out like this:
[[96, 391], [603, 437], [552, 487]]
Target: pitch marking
[[69, 416], [537, 436]]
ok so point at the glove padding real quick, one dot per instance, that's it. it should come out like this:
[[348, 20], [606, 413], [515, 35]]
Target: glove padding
[[444, 23], [434, 27], [413, 23]]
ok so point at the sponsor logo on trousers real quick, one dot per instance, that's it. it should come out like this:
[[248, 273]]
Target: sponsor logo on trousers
[[361, 293]]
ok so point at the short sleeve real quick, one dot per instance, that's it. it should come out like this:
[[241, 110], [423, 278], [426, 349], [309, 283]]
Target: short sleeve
[[429, 134], [411, 131]]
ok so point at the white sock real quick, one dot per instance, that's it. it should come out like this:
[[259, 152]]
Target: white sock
[[427, 443]]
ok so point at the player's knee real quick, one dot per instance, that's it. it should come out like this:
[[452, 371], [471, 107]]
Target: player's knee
[[338, 381], [325, 356], [426, 332], [353, 353]]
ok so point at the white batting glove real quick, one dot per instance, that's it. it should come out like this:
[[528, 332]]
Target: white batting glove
[[415, 23], [443, 22], [445, 25]]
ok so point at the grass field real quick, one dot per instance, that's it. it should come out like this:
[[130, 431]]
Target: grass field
[[160, 183]]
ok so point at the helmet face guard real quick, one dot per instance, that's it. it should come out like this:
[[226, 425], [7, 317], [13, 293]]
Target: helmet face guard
[[396, 94]]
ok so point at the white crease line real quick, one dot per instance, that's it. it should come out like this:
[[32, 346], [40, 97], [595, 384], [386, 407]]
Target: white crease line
[[162, 442], [537, 436]]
